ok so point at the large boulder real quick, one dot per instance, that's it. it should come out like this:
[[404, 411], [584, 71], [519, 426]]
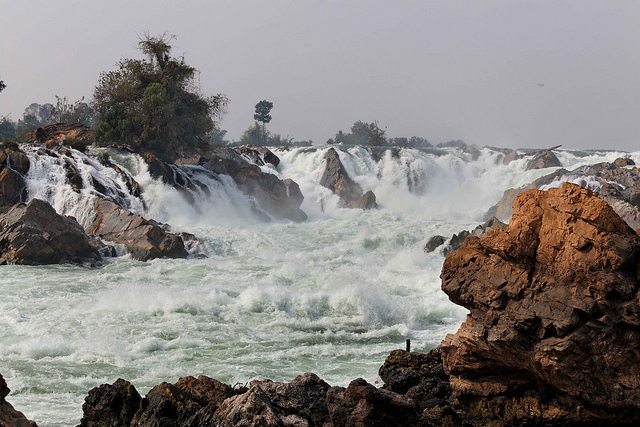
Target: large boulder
[[272, 194], [74, 135], [336, 179], [9, 417], [544, 159], [145, 239], [110, 405], [553, 334], [34, 233], [616, 183], [14, 165]]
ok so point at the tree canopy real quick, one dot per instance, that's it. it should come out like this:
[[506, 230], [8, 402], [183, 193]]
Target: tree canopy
[[2, 85], [153, 104]]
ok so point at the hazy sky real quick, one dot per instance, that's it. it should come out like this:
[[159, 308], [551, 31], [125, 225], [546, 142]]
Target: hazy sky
[[507, 73]]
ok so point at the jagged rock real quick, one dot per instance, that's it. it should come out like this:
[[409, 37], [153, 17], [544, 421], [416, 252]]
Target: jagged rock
[[434, 243], [15, 159], [553, 332], [73, 176], [272, 194], [472, 150], [75, 135], [362, 404], [624, 161], [110, 405], [336, 179], [613, 183], [259, 155], [302, 402], [366, 201], [145, 239], [9, 417], [544, 159], [34, 233], [293, 191]]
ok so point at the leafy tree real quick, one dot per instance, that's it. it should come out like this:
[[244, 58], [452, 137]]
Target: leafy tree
[[7, 128], [263, 108], [361, 134], [74, 112], [152, 104], [35, 116], [3, 86]]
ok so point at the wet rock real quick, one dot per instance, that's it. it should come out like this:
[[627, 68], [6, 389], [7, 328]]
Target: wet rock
[[624, 161], [293, 191], [302, 402], [145, 239], [366, 201], [272, 194], [434, 243], [259, 155], [73, 176], [110, 405], [14, 164], [9, 417], [34, 233], [553, 299], [544, 159], [472, 150], [336, 179], [15, 159], [510, 156]]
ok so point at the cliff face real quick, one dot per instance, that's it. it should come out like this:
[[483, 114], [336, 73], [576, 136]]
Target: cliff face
[[553, 331]]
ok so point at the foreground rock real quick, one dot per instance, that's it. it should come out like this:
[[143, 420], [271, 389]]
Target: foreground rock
[[272, 194], [145, 239], [544, 159], [336, 179], [553, 299], [33, 233], [458, 239], [617, 183], [14, 165], [9, 417]]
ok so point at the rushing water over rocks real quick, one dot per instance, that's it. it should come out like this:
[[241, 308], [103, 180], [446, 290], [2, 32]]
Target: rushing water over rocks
[[331, 295]]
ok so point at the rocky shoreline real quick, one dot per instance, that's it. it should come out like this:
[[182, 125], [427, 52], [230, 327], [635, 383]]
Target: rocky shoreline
[[551, 339]]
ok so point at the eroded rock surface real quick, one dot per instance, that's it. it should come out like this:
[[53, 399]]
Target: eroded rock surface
[[34, 233], [336, 179], [544, 159], [145, 239], [553, 332]]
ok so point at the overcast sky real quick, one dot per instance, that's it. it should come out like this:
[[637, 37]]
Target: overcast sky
[[507, 73]]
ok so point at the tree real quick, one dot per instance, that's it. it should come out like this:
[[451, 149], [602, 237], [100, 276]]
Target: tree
[[361, 134], [263, 108], [3, 86], [153, 104], [73, 112]]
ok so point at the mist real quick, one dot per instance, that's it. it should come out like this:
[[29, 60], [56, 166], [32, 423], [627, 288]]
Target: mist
[[501, 73]]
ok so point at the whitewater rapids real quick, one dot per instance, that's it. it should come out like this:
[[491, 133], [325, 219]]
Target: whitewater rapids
[[333, 295]]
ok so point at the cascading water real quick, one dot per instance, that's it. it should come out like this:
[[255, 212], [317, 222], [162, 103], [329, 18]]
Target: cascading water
[[332, 295]]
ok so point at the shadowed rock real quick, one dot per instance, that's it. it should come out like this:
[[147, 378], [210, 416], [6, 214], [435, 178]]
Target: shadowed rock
[[261, 156], [544, 159], [34, 233], [9, 417], [336, 179], [110, 405], [14, 165]]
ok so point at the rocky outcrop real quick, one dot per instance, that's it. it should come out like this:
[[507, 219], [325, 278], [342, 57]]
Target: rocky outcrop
[[616, 184], [510, 156], [336, 179], [33, 233], [272, 194], [74, 135], [9, 417], [553, 299], [145, 239], [259, 155], [472, 150], [544, 159], [624, 161], [110, 405], [458, 239], [14, 165]]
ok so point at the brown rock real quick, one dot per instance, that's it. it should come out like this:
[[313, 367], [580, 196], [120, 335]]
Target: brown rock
[[9, 417], [259, 155], [544, 159], [624, 161], [110, 405], [510, 156], [293, 191], [336, 179], [12, 187], [553, 299], [366, 201], [34, 233], [76, 136], [145, 239]]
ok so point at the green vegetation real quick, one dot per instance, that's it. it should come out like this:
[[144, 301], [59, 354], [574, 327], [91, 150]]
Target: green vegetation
[[263, 108], [2, 85], [363, 133], [255, 135], [153, 105]]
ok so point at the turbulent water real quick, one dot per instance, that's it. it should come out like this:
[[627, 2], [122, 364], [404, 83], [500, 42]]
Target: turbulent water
[[332, 295]]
